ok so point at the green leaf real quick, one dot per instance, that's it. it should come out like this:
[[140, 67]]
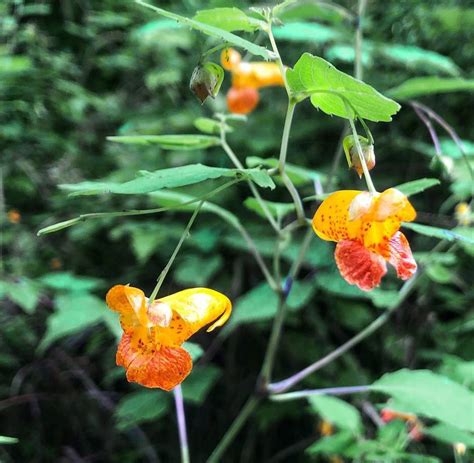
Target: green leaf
[[169, 142], [420, 86], [73, 312], [337, 412], [145, 405], [67, 281], [298, 175], [24, 293], [326, 85], [196, 270], [228, 19], [278, 210], [207, 125], [332, 445], [8, 440], [307, 32], [468, 233], [417, 186], [213, 31], [450, 435], [169, 178], [261, 303], [414, 57], [441, 233], [199, 383], [423, 392], [439, 273]]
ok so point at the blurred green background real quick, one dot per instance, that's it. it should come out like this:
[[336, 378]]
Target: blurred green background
[[73, 72]]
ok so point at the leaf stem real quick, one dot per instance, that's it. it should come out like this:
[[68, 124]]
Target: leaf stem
[[367, 176], [312, 392], [181, 417], [165, 271], [235, 160]]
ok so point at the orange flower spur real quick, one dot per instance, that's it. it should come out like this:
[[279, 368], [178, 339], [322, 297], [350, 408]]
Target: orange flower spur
[[366, 228], [150, 349]]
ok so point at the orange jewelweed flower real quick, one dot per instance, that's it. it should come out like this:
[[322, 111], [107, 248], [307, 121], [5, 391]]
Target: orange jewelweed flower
[[14, 216], [366, 228], [150, 349], [247, 79]]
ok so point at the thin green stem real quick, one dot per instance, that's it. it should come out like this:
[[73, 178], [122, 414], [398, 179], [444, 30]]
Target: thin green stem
[[235, 160], [101, 215], [286, 135], [165, 271], [358, 39], [209, 52], [367, 176], [278, 57], [229, 436]]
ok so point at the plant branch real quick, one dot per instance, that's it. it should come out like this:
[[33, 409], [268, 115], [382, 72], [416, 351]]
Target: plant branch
[[181, 417], [312, 392], [165, 271]]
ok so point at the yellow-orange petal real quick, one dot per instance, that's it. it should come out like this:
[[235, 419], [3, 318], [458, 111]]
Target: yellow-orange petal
[[230, 59], [401, 257], [393, 203], [358, 266], [256, 75], [130, 302], [331, 220], [161, 367], [193, 309]]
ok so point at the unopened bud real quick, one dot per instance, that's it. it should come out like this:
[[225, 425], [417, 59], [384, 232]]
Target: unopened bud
[[352, 155], [206, 80]]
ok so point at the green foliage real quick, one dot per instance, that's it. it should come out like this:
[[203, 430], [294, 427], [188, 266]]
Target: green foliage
[[173, 177], [425, 393], [420, 86], [228, 19], [337, 412], [441, 233], [332, 90], [169, 142]]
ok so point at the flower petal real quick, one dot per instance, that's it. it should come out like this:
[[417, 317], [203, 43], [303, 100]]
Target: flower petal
[[163, 367], [393, 203], [331, 220], [256, 75], [130, 303], [358, 266], [192, 309], [401, 257]]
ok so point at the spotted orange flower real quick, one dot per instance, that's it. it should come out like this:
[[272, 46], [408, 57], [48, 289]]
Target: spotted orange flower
[[415, 427], [366, 228], [150, 349], [247, 79]]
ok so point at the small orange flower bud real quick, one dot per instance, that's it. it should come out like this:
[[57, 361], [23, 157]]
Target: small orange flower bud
[[14, 216], [352, 155], [242, 100], [326, 428], [230, 59], [55, 263], [206, 80]]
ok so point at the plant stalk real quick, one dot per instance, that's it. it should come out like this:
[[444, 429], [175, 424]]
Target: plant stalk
[[180, 415]]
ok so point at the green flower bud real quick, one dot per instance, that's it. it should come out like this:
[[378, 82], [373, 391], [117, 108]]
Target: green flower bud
[[352, 155], [206, 80]]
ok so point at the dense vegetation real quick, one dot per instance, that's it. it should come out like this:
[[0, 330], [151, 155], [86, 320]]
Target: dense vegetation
[[73, 73]]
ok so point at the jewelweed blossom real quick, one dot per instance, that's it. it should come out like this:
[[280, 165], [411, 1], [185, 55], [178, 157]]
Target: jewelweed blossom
[[366, 228], [150, 349], [247, 78]]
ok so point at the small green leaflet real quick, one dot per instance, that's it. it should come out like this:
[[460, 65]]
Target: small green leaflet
[[8, 440], [329, 88], [337, 412], [207, 125], [449, 435], [440, 233], [420, 86], [425, 393], [417, 186], [169, 142], [213, 31], [169, 178], [227, 19]]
